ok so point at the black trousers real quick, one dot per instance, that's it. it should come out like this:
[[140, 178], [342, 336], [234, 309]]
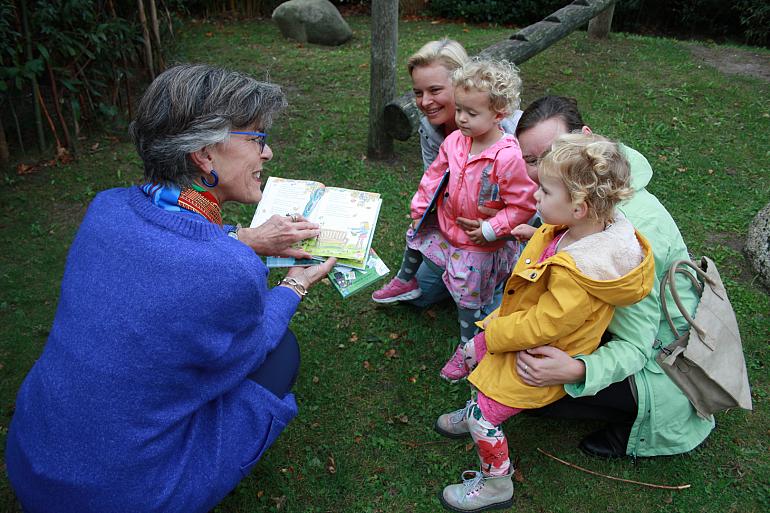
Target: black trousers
[[615, 404]]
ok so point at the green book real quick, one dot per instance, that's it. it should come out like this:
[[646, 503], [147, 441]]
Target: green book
[[348, 280]]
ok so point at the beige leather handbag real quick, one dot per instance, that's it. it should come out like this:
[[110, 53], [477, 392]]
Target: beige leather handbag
[[707, 363]]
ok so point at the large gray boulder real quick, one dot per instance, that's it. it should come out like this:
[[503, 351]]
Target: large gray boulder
[[758, 245], [312, 21]]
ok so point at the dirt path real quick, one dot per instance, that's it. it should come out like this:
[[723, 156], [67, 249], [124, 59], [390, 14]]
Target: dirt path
[[734, 61]]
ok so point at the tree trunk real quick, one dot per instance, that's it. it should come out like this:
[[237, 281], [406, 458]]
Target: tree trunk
[[156, 34], [403, 116], [146, 37], [382, 86], [599, 27], [33, 79]]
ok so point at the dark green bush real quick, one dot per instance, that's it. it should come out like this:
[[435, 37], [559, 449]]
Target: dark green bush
[[745, 20], [522, 12]]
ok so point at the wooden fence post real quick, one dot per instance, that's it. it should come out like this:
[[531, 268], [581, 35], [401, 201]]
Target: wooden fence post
[[599, 27], [382, 86]]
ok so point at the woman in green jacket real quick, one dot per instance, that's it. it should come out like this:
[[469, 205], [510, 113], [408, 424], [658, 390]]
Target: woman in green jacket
[[621, 383]]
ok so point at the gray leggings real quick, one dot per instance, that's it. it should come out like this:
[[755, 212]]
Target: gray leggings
[[465, 317]]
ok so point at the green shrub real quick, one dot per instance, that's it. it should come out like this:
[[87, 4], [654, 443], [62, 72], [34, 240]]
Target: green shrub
[[755, 20], [523, 12], [746, 20]]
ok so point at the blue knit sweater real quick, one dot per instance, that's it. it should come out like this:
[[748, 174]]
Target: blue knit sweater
[[140, 401]]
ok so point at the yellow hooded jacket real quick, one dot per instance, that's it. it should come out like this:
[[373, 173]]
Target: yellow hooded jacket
[[553, 303]]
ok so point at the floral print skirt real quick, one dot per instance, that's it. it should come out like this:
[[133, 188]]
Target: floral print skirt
[[470, 276]]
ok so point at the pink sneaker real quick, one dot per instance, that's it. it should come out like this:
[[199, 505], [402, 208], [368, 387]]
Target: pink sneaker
[[454, 370], [397, 290]]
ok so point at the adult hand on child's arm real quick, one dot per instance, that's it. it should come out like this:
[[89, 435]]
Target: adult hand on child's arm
[[523, 232], [547, 366]]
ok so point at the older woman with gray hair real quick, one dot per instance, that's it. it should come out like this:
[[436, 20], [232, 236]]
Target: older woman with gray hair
[[168, 369]]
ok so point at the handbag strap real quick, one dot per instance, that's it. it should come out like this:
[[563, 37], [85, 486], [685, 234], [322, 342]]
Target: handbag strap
[[670, 279]]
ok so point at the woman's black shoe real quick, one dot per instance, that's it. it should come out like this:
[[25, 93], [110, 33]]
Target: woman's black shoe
[[610, 442]]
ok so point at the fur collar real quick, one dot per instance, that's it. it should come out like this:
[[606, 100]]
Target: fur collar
[[609, 254]]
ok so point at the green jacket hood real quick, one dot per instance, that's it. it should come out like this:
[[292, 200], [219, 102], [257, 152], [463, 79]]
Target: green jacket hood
[[641, 171]]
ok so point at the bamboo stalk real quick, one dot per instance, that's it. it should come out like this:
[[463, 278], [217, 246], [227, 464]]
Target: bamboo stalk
[[146, 37], [641, 483], [4, 153], [33, 79], [156, 34], [168, 19], [111, 6], [50, 121], [68, 142], [18, 128]]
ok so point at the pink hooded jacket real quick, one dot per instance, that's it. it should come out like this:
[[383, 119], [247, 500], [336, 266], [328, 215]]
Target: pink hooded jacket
[[496, 179]]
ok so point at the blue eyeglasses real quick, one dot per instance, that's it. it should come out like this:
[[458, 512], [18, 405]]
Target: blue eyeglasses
[[259, 137]]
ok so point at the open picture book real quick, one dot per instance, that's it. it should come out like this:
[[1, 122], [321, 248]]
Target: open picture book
[[347, 218]]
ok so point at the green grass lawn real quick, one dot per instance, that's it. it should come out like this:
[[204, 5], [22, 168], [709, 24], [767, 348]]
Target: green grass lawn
[[369, 390]]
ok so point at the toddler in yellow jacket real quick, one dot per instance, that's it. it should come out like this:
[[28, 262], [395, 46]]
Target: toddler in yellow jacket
[[583, 262]]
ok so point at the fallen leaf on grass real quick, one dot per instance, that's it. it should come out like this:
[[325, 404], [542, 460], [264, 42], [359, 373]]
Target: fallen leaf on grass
[[357, 439], [260, 493], [412, 379], [393, 336], [353, 337], [518, 476], [367, 365], [469, 446], [331, 465], [315, 380], [391, 353], [279, 502], [24, 169], [431, 314]]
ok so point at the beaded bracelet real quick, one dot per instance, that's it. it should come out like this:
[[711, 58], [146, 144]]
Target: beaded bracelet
[[295, 286]]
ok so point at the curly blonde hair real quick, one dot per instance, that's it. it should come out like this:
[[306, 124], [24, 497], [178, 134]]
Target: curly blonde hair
[[498, 78], [593, 169], [447, 52]]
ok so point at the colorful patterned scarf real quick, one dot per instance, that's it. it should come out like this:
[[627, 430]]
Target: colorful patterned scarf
[[196, 199]]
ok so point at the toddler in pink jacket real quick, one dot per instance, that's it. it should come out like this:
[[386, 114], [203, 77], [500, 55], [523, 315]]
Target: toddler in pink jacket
[[487, 194]]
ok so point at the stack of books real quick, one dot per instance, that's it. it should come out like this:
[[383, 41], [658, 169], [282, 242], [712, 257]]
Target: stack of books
[[347, 219]]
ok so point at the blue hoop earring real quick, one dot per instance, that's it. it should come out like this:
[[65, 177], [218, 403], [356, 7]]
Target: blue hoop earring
[[211, 185]]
